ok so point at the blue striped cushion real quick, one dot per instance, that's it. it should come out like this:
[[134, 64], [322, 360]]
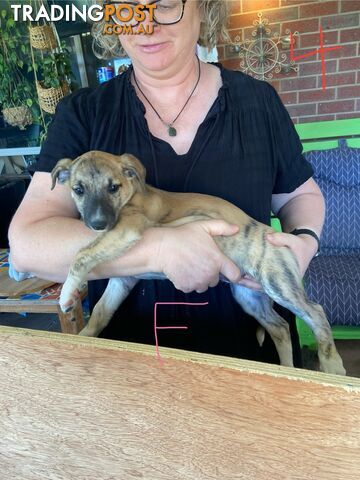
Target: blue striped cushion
[[337, 172]]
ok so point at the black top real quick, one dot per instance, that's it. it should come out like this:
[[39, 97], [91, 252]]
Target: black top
[[245, 150]]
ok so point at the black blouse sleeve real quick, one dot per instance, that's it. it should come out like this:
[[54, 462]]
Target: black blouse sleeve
[[291, 168], [69, 133]]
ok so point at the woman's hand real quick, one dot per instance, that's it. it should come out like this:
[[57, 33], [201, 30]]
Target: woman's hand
[[190, 258], [303, 246]]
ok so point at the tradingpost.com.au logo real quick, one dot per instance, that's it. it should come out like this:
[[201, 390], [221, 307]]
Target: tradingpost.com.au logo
[[121, 18]]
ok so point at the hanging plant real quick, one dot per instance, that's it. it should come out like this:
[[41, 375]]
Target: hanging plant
[[51, 64], [42, 37], [17, 93], [53, 76]]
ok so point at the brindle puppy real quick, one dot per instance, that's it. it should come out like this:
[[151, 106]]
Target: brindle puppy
[[112, 197]]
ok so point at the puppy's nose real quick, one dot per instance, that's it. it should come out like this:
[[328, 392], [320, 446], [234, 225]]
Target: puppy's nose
[[99, 224]]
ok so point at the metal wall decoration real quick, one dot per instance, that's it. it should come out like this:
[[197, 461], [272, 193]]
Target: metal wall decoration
[[263, 55]]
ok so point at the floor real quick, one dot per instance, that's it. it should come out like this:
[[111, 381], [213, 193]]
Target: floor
[[348, 349]]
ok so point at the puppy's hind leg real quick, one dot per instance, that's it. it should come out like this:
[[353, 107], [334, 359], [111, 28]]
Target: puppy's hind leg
[[259, 306], [285, 287], [115, 293]]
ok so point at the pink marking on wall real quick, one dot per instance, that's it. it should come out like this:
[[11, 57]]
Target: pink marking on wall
[[320, 50], [156, 328]]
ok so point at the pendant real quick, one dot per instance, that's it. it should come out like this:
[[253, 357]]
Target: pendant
[[172, 131]]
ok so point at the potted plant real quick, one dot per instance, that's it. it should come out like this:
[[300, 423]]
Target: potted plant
[[17, 92], [54, 75]]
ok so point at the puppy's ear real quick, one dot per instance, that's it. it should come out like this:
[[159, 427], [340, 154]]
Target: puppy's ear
[[61, 171], [133, 168]]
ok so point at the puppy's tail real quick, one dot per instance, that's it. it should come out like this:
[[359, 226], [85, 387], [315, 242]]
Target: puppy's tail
[[260, 335]]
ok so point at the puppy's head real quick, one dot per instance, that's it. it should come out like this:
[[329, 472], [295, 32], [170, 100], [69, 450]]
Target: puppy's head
[[101, 184]]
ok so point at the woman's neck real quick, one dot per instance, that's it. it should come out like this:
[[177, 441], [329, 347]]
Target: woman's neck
[[171, 81]]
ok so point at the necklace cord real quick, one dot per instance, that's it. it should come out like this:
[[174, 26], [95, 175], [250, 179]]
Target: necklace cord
[[172, 131]]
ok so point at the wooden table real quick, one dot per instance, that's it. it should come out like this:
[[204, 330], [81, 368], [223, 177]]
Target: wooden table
[[94, 409], [35, 295]]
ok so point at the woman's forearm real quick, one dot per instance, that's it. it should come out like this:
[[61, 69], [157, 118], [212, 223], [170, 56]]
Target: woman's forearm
[[303, 208], [304, 211], [46, 248]]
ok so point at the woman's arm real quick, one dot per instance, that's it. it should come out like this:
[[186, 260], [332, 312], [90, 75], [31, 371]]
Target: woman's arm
[[46, 233], [303, 208]]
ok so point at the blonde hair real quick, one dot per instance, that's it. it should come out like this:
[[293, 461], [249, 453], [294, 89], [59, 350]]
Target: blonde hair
[[214, 15]]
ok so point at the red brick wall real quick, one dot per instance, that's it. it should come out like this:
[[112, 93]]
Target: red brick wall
[[301, 91]]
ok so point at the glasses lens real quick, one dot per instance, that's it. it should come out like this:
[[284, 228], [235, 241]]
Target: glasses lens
[[124, 14], [168, 11]]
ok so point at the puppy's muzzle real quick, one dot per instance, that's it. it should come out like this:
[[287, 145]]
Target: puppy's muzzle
[[99, 216]]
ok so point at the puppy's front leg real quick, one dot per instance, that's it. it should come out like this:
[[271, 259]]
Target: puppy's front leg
[[115, 293], [106, 247]]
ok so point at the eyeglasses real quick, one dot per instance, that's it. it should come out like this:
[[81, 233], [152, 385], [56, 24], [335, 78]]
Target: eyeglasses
[[166, 12]]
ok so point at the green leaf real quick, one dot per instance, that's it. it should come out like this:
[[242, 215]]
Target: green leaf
[[10, 23], [3, 13], [29, 102]]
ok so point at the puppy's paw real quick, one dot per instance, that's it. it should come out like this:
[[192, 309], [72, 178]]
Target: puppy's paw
[[87, 332], [69, 296], [333, 365]]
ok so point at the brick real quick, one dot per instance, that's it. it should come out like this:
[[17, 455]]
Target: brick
[[302, 26], [259, 5], [352, 91], [282, 15], [275, 84], [221, 53], [350, 6], [303, 51], [349, 64], [292, 84], [290, 3], [246, 19], [241, 20], [318, 9], [313, 39], [348, 50], [335, 107], [317, 118], [236, 35], [335, 79], [289, 98], [317, 95], [350, 35], [232, 63], [342, 116], [314, 68], [275, 29], [280, 75], [340, 21], [299, 110], [235, 6]]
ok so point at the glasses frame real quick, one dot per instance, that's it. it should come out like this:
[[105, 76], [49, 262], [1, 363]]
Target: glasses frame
[[116, 2]]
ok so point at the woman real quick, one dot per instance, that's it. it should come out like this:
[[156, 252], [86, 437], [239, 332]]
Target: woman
[[196, 127]]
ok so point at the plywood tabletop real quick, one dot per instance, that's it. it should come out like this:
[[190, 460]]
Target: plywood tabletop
[[79, 408]]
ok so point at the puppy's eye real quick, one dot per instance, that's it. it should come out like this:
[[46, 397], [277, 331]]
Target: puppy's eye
[[113, 188], [129, 172], [78, 190]]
